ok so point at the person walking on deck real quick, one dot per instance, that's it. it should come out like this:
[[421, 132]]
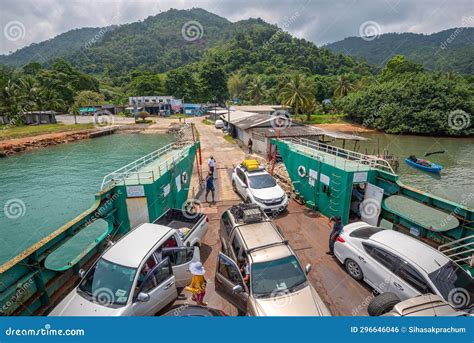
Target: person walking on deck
[[336, 230], [198, 283], [210, 185], [212, 164], [250, 145]]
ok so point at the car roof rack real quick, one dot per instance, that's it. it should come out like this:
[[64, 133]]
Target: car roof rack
[[284, 242], [247, 213]]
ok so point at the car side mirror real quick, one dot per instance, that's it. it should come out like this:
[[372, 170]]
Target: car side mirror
[[143, 297], [308, 268], [237, 289], [82, 273]]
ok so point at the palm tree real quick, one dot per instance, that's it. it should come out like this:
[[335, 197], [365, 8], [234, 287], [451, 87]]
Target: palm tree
[[451, 75], [13, 100], [297, 93], [343, 87], [236, 85], [257, 90], [50, 99]]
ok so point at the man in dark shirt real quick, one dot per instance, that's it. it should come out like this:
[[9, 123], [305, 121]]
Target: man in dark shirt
[[336, 230], [210, 185]]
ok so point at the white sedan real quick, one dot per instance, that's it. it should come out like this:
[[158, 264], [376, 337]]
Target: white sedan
[[390, 261]]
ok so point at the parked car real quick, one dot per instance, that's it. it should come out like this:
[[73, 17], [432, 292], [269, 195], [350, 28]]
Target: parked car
[[259, 187], [140, 274], [194, 311], [219, 124], [258, 272], [389, 304], [390, 261]]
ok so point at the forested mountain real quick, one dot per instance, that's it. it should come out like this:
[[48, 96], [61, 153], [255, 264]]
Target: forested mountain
[[161, 43], [449, 50]]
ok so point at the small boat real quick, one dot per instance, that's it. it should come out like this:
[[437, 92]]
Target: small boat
[[423, 164]]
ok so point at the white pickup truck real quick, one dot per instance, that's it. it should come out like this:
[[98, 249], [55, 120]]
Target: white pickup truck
[[140, 273]]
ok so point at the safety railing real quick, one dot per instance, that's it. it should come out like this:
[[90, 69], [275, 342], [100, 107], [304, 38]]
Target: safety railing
[[134, 170], [460, 251], [351, 158]]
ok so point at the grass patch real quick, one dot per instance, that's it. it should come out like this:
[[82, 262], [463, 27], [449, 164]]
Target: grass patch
[[322, 118], [229, 139], [7, 132], [207, 122]]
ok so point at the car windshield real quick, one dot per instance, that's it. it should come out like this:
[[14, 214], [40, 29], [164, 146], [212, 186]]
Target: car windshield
[[261, 181], [283, 275], [454, 284], [108, 283]]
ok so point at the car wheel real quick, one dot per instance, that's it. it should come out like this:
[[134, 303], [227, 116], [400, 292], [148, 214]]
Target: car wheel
[[247, 200], [354, 269], [382, 304]]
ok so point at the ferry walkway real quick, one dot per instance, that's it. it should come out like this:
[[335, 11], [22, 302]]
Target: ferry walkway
[[306, 231]]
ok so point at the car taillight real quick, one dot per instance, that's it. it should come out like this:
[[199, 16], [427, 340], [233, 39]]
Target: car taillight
[[340, 239], [207, 219]]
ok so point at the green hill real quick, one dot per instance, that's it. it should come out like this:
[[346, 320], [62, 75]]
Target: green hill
[[159, 44], [449, 50]]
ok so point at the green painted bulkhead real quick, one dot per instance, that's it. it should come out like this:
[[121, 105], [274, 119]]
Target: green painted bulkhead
[[325, 179], [37, 279]]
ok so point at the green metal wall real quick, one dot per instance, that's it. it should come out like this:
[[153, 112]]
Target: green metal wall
[[28, 287]]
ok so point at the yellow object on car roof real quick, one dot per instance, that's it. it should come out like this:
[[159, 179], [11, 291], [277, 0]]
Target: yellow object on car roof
[[251, 165]]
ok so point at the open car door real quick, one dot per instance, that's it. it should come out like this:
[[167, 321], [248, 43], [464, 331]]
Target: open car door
[[227, 277], [180, 259]]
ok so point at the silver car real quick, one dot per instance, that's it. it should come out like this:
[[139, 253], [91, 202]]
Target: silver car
[[137, 276], [390, 261]]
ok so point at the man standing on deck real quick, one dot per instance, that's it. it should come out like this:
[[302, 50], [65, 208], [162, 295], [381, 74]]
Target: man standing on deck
[[211, 163], [250, 145], [336, 230], [210, 185]]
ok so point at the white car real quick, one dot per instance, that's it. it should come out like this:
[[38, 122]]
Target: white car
[[260, 188], [137, 276], [390, 261], [219, 124]]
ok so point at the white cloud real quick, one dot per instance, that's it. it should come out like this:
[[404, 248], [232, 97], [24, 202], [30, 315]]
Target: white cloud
[[320, 21]]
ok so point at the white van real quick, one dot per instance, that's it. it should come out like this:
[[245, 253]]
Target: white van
[[219, 124]]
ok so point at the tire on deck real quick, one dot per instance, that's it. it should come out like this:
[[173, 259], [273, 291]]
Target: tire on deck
[[382, 303]]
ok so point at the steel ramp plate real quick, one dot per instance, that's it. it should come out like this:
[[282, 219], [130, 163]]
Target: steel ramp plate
[[427, 217], [78, 246]]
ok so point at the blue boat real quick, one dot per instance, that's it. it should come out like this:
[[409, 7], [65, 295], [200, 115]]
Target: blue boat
[[424, 165]]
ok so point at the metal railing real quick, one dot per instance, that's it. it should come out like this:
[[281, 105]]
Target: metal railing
[[134, 169], [460, 251], [351, 158]]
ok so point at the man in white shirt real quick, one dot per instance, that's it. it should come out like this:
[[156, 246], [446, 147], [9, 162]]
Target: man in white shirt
[[211, 163]]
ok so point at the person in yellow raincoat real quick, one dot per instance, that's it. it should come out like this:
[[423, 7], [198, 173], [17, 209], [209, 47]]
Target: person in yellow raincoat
[[198, 283]]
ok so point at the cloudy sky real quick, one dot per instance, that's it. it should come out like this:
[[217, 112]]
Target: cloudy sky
[[27, 21]]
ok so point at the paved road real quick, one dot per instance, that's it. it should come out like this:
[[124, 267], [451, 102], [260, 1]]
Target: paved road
[[306, 231]]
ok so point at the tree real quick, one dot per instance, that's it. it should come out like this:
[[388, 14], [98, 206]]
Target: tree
[[180, 83], [50, 100], [343, 86], [146, 84], [257, 90], [213, 82], [88, 98], [297, 94], [398, 65], [236, 85]]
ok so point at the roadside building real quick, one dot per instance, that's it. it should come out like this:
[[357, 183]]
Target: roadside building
[[262, 128], [156, 105], [261, 109], [30, 118], [194, 109]]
